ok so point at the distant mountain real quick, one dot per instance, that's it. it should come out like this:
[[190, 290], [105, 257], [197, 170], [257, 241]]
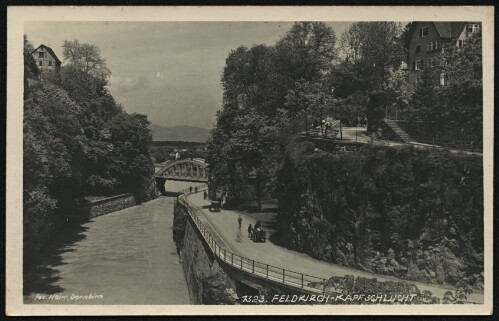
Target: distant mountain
[[179, 133]]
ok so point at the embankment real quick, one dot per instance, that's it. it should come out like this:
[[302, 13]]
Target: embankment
[[208, 283], [108, 205]]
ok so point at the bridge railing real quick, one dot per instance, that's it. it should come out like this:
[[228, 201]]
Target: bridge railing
[[264, 270]]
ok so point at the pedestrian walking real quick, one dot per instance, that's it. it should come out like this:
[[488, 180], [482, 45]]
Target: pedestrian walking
[[196, 189], [250, 230], [190, 189], [204, 195], [240, 220]]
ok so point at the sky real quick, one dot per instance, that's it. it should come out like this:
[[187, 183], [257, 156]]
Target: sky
[[169, 71]]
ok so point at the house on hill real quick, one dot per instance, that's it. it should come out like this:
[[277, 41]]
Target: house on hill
[[46, 59], [427, 40]]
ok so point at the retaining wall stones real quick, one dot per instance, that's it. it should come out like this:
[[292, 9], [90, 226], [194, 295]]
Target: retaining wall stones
[[109, 204]]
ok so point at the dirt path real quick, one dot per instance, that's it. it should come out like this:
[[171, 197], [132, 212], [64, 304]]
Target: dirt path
[[226, 225]]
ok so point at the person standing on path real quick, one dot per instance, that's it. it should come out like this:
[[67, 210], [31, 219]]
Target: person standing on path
[[240, 220], [250, 230], [204, 195], [196, 189], [190, 189]]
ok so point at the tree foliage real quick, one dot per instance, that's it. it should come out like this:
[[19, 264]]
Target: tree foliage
[[86, 57], [264, 91], [450, 90], [78, 142], [375, 48]]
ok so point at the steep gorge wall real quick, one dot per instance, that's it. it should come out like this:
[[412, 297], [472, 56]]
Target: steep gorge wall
[[416, 214]]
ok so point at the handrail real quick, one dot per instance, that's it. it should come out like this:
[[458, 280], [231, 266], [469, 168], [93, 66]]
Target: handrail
[[270, 272]]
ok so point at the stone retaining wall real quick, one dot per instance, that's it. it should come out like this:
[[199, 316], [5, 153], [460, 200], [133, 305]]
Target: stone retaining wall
[[109, 204]]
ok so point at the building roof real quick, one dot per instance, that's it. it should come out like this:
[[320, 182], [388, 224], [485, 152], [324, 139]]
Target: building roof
[[50, 51], [445, 29], [449, 29]]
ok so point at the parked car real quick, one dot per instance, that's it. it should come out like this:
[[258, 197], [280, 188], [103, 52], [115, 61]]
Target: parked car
[[215, 206]]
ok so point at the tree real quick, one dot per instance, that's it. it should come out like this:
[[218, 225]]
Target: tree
[[261, 105], [130, 163], [405, 37], [86, 57], [308, 101], [424, 101], [375, 47], [306, 51], [462, 94], [30, 67], [400, 90]]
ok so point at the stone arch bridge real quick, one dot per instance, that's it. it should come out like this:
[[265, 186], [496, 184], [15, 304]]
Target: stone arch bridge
[[189, 170]]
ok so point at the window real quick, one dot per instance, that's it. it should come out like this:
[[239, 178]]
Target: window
[[423, 32], [460, 43], [40, 54], [50, 63], [433, 45], [418, 49], [418, 65], [40, 63], [473, 27]]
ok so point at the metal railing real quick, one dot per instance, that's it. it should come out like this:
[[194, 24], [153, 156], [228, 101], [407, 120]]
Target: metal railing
[[264, 270]]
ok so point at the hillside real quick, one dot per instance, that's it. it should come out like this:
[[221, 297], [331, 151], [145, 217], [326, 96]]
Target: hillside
[[179, 133]]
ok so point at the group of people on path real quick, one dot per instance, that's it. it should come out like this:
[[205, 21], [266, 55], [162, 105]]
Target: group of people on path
[[257, 228], [239, 218], [196, 190]]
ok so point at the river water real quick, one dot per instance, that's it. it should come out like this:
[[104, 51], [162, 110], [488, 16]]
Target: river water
[[125, 257]]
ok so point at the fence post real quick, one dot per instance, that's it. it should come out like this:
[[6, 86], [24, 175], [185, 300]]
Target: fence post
[[231, 258], [225, 255], [283, 275], [323, 285], [302, 280], [267, 271], [241, 262], [253, 261]]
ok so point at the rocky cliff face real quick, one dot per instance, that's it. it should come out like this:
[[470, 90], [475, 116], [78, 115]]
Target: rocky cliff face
[[207, 282], [410, 213]]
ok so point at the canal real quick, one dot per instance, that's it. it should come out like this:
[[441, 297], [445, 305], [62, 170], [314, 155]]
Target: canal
[[125, 257]]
